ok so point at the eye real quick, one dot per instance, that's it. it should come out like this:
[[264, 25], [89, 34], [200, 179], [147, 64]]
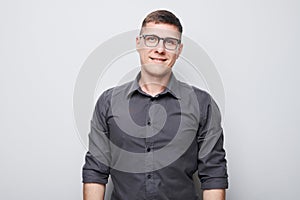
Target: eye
[[171, 41], [151, 38]]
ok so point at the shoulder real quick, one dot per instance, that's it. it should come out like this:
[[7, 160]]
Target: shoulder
[[203, 96], [116, 91]]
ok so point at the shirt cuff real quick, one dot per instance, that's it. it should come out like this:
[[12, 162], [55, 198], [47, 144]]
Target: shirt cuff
[[92, 176], [215, 183]]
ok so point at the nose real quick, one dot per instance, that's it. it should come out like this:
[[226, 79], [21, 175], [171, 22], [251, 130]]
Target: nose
[[160, 48]]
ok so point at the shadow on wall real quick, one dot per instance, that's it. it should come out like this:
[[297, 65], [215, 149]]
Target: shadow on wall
[[109, 187]]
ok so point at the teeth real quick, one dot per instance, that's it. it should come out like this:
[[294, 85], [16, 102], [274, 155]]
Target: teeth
[[159, 59]]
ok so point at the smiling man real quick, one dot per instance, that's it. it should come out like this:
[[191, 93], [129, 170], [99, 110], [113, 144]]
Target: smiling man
[[152, 134]]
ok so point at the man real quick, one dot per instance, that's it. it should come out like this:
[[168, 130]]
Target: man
[[152, 134]]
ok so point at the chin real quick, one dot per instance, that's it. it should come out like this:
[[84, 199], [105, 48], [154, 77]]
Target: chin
[[157, 70]]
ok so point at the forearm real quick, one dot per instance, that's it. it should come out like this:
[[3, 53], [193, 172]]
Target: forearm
[[215, 194], [93, 191]]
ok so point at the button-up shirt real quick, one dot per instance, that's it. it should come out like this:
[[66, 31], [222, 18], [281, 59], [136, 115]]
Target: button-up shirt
[[152, 146]]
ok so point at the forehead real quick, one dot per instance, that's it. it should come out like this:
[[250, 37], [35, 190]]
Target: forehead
[[162, 30]]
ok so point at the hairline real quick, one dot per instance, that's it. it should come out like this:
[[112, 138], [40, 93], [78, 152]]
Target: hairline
[[145, 26]]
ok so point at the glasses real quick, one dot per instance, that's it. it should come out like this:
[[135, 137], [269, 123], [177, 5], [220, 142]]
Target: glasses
[[153, 41]]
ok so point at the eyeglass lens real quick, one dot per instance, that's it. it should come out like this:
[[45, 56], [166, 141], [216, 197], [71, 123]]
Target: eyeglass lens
[[153, 41]]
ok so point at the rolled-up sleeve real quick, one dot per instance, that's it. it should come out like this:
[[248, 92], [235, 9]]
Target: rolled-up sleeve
[[212, 165], [96, 167], [94, 171]]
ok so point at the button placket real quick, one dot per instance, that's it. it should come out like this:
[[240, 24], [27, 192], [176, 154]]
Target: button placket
[[149, 157], [149, 154]]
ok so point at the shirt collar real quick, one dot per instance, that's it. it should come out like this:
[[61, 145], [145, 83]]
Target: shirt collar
[[172, 87]]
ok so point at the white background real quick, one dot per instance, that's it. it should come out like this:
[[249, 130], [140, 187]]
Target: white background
[[43, 44]]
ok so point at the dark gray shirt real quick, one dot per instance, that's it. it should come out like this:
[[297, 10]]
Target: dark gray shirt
[[151, 146]]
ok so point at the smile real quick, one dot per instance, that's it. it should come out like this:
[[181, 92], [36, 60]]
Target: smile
[[158, 59]]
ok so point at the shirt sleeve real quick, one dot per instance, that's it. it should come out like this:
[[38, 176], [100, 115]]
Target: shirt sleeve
[[212, 165], [96, 167]]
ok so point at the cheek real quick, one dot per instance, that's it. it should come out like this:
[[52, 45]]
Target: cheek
[[143, 55], [174, 57], [145, 52]]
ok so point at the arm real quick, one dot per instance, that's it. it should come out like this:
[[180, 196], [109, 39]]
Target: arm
[[215, 194], [95, 171], [212, 169], [93, 191]]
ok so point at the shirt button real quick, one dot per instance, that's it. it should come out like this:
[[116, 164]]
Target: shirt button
[[149, 176], [148, 149]]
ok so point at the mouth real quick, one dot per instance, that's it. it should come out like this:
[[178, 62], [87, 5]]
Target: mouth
[[160, 60]]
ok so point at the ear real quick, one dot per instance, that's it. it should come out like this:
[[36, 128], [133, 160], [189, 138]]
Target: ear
[[179, 50], [137, 42]]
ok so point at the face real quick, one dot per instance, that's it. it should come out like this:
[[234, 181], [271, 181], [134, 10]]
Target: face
[[158, 61]]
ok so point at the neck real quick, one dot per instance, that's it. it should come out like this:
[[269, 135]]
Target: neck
[[153, 85]]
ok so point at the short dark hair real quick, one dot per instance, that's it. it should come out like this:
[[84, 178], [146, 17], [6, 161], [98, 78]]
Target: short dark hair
[[164, 17]]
